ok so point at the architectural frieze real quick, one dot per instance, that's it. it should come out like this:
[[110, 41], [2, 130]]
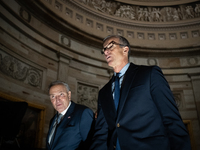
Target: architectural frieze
[[167, 50], [19, 70], [87, 95], [156, 2], [161, 23], [146, 13], [85, 19]]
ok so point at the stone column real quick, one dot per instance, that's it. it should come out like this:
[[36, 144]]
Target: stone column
[[63, 69], [195, 78]]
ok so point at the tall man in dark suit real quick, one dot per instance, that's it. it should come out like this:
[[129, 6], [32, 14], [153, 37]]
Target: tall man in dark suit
[[136, 108], [70, 127]]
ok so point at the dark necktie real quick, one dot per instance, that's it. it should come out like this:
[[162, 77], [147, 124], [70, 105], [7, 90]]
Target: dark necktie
[[57, 121], [116, 100], [117, 91]]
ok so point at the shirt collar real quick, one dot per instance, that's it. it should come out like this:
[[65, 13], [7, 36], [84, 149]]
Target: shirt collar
[[63, 113], [123, 70]]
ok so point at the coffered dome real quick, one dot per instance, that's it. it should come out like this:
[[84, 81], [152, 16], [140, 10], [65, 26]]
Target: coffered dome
[[156, 27], [156, 2]]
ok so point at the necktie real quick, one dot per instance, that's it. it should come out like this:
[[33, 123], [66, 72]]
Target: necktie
[[117, 91], [116, 100], [57, 121]]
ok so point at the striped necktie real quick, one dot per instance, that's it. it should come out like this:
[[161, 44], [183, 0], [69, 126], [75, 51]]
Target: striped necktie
[[117, 91], [116, 101], [57, 121]]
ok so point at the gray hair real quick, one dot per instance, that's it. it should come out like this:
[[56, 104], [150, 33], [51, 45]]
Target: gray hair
[[122, 41], [59, 83]]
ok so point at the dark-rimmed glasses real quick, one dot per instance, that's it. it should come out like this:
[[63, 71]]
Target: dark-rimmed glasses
[[110, 45]]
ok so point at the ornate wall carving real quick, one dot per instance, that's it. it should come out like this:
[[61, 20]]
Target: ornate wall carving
[[65, 41], [192, 61], [82, 14], [130, 34], [99, 26], [79, 18], [19, 70], [89, 23], [151, 36], [172, 36], [177, 98], [87, 95], [145, 13], [161, 36], [69, 12], [110, 30], [195, 33], [140, 35], [152, 61], [58, 6]]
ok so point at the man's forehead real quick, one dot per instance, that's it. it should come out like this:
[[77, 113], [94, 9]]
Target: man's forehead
[[58, 88], [110, 40], [55, 92]]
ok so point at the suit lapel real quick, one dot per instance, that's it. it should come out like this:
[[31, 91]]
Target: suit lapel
[[51, 126], [128, 79], [107, 101], [64, 122], [108, 95]]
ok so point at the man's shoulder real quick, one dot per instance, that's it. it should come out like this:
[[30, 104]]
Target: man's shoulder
[[132, 65], [81, 107], [144, 67], [82, 110]]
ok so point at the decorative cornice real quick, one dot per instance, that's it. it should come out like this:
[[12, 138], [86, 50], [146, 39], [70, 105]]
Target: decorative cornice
[[132, 24], [156, 2], [156, 52], [68, 26]]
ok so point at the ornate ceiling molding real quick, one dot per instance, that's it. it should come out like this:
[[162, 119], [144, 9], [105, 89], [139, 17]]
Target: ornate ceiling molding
[[156, 2], [79, 18], [140, 17]]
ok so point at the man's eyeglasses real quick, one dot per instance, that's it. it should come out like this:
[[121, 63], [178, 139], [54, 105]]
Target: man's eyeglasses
[[110, 45]]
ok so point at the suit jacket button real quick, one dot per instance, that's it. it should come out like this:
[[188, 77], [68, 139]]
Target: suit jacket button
[[118, 125]]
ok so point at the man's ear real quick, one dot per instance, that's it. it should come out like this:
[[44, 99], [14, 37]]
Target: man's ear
[[69, 95], [125, 50]]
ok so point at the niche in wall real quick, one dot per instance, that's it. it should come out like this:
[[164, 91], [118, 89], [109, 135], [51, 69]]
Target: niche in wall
[[31, 130]]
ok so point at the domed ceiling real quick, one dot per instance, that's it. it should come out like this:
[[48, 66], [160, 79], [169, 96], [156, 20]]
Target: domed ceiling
[[153, 27], [156, 2]]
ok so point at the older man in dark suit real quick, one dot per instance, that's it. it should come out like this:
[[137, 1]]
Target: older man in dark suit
[[136, 108], [70, 128]]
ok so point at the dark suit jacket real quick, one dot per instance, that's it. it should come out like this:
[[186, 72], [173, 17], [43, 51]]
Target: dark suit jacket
[[147, 116], [74, 130]]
